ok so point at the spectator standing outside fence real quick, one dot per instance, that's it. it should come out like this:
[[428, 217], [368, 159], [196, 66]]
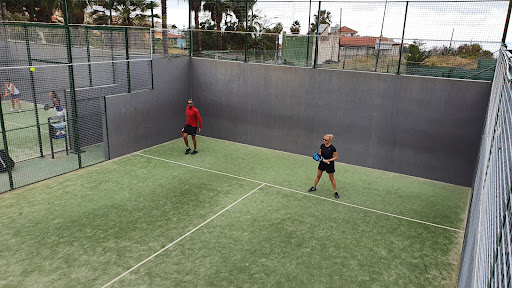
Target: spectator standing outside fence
[[193, 122], [11, 90]]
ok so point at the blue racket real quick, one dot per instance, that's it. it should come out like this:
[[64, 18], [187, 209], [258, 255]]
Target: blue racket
[[318, 157]]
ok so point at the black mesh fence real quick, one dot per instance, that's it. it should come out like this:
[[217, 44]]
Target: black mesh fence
[[54, 80]]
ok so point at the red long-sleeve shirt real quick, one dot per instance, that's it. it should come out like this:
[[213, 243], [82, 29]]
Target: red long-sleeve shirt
[[193, 116]]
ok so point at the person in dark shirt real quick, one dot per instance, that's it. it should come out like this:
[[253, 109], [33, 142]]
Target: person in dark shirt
[[328, 152], [193, 118]]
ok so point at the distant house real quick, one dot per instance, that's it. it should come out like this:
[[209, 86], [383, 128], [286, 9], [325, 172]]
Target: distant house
[[328, 45], [176, 40], [336, 44], [357, 45]]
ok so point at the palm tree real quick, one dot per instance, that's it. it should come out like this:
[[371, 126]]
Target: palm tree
[[78, 10], [216, 10], [196, 7], [130, 12], [163, 4], [295, 28], [325, 18]]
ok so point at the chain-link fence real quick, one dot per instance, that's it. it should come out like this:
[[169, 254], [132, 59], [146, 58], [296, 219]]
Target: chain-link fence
[[487, 252], [452, 39], [54, 79]]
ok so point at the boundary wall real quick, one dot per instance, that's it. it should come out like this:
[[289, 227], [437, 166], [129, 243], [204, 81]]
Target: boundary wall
[[420, 126]]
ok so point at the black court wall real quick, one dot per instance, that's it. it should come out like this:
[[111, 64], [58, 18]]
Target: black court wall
[[420, 126], [150, 117]]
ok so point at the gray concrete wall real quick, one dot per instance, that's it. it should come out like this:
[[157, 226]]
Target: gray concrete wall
[[420, 126], [147, 118]]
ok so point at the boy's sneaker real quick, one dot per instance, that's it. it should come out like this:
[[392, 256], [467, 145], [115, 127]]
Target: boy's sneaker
[[336, 195], [12, 109], [19, 111], [313, 188], [194, 152], [188, 150]]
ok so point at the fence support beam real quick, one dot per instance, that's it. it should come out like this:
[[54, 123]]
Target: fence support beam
[[246, 28], [6, 148], [88, 54], [317, 34], [402, 42], [191, 48], [74, 111], [32, 11], [506, 23], [33, 89], [127, 51]]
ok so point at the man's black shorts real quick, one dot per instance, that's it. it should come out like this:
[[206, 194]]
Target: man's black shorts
[[329, 168], [189, 130]]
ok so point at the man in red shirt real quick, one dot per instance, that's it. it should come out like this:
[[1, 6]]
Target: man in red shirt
[[190, 128]]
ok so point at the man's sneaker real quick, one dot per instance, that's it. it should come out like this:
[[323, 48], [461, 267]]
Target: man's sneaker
[[188, 150], [194, 152], [12, 109], [313, 188], [336, 195], [19, 111]]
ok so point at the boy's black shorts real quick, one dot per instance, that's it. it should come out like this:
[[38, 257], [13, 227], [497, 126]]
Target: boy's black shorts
[[329, 168], [189, 130]]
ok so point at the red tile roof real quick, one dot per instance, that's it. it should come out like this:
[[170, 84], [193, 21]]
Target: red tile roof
[[345, 29], [364, 41]]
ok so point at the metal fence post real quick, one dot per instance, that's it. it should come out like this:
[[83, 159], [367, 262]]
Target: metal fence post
[[110, 13], [246, 28], [153, 15], [191, 48], [88, 54], [317, 34], [33, 88], [32, 11], [402, 42], [506, 22], [127, 51], [74, 111], [309, 23], [6, 148], [380, 36], [71, 14]]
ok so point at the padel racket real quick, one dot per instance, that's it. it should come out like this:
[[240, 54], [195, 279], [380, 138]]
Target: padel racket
[[46, 107], [318, 157]]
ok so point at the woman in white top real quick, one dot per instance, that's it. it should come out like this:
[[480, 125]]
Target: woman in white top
[[10, 89]]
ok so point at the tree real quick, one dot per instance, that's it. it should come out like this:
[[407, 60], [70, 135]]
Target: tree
[[130, 12], [217, 10], [165, 47], [238, 8], [472, 51], [78, 10], [196, 7], [325, 18], [295, 28], [416, 55]]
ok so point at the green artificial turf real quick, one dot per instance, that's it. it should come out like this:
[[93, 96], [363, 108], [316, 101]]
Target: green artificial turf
[[86, 228]]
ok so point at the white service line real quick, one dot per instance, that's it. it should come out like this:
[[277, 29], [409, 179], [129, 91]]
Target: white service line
[[177, 240], [308, 194], [24, 126]]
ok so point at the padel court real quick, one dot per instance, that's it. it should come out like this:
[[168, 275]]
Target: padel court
[[232, 215]]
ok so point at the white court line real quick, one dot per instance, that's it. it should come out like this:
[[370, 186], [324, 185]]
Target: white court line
[[312, 195], [177, 240], [24, 126]]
